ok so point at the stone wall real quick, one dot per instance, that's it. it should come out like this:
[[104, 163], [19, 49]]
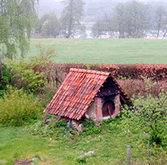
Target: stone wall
[[91, 111], [117, 103], [95, 109], [99, 105]]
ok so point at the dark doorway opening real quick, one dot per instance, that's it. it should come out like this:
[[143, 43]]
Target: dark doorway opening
[[108, 108]]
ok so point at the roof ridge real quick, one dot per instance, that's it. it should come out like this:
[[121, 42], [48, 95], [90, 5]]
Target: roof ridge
[[89, 71]]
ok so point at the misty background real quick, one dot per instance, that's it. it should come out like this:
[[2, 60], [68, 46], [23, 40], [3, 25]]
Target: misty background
[[95, 10]]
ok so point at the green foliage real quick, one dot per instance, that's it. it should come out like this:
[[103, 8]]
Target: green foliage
[[112, 125], [98, 29], [131, 19], [81, 160], [30, 79], [47, 94], [54, 129], [62, 151], [58, 128], [16, 17], [50, 26], [45, 55], [149, 116], [71, 17], [18, 108], [90, 127], [31, 73], [138, 20], [5, 77]]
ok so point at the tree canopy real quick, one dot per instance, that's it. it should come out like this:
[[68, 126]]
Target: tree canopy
[[98, 29], [16, 23], [71, 18], [160, 21], [131, 19]]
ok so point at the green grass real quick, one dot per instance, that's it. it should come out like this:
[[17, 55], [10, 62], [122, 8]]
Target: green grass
[[109, 147], [104, 51]]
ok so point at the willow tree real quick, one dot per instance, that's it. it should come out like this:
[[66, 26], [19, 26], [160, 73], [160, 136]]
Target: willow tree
[[17, 18]]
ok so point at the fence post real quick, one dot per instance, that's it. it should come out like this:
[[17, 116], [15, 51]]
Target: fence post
[[128, 155], [149, 151]]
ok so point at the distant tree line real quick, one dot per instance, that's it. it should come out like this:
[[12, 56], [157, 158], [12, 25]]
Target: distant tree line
[[132, 19], [67, 25]]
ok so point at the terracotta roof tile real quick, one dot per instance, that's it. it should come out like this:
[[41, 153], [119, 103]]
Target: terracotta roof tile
[[76, 92]]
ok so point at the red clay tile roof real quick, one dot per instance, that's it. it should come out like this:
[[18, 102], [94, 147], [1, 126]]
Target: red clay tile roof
[[76, 93]]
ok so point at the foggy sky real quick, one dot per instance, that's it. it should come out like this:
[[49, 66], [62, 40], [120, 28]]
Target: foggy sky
[[56, 5]]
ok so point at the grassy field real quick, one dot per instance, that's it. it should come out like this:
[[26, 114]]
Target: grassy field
[[109, 148], [104, 51]]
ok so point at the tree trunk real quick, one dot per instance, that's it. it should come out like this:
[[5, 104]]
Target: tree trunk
[[70, 21]]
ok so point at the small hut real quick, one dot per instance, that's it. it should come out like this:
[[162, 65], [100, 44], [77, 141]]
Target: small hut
[[88, 93]]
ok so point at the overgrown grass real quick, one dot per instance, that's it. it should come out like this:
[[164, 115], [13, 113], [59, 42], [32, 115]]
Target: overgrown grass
[[105, 51], [109, 147], [18, 108]]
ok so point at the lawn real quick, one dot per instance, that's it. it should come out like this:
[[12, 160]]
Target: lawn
[[109, 147], [104, 51]]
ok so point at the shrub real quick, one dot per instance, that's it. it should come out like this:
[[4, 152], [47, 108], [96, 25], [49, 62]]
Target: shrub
[[26, 77], [5, 77], [150, 116], [157, 72], [32, 75], [17, 108]]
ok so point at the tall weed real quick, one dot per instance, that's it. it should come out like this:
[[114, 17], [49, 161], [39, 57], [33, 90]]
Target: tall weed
[[17, 108]]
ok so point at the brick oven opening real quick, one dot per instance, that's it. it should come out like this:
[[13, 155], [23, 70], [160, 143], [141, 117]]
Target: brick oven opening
[[109, 95], [108, 109]]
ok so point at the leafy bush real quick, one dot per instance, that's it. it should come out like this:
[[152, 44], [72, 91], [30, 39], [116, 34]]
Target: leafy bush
[[150, 116], [17, 108], [26, 77], [5, 77], [30, 74]]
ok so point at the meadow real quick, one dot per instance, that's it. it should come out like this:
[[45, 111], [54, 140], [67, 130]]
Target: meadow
[[103, 51], [109, 147], [54, 143]]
